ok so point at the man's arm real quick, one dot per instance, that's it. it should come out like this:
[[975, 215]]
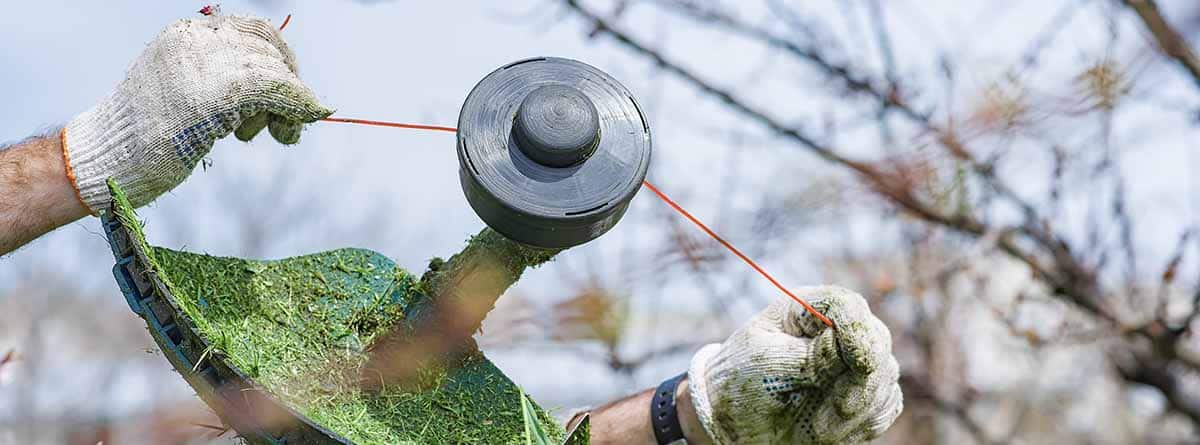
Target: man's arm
[[627, 421], [35, 194], [198, 81]]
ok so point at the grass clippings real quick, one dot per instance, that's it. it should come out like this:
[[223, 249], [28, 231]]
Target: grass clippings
[[299, 327]]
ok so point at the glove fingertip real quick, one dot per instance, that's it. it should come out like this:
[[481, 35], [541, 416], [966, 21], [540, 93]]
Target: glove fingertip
[[259, 28], [285, 131], [854, 343], [295, 101], [251, 127], [319, 112]]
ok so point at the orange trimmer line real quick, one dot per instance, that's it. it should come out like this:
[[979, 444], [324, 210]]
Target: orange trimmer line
[[737, 252], [648, 185], [390, 124]]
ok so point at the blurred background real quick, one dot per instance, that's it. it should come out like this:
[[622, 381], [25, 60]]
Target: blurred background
[[1009, 183]]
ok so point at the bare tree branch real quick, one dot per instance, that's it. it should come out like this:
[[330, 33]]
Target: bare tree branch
[[1070, 278], [1055, 262], [1172, 43], [1156, 373]]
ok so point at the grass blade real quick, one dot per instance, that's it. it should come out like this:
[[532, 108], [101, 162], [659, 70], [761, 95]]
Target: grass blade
[[535, 434]]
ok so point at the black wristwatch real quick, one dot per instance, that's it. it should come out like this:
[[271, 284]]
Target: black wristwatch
[[663, 415]]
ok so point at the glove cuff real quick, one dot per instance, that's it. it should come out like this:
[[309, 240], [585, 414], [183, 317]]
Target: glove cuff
[[698, 390], [98, 144]]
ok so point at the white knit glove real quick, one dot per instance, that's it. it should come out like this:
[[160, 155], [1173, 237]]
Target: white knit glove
[[785, 378], [198, 81]]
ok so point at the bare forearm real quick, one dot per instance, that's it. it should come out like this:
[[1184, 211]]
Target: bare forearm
[[627, 421], [35, 194]]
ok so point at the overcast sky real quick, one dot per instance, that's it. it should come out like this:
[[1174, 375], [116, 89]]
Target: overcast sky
[[397, 191]]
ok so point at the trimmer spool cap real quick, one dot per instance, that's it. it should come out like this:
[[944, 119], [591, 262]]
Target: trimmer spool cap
[[551, 151]]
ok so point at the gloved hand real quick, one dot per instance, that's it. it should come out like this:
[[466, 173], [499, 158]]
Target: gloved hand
[[199, 80], [786, 378]]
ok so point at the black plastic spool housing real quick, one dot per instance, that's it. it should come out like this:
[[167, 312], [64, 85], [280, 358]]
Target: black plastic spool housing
[[551, 151]]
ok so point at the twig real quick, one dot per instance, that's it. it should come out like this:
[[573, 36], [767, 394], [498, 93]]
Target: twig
[[1172, 43], [884, 41], [8, 358], [916, 390], [739, 254], [1156, 373]]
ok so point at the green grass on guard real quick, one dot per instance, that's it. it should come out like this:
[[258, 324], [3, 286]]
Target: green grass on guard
[[274, 346]]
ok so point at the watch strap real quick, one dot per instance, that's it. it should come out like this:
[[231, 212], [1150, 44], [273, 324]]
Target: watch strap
[[663, 415]]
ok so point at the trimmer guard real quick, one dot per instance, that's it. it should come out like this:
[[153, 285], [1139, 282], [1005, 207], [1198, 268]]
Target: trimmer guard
[[261, 417]]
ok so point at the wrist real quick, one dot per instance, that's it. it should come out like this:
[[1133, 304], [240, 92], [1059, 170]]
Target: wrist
[[689, 421], [95, 146], [37, 195], [62, 201]]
